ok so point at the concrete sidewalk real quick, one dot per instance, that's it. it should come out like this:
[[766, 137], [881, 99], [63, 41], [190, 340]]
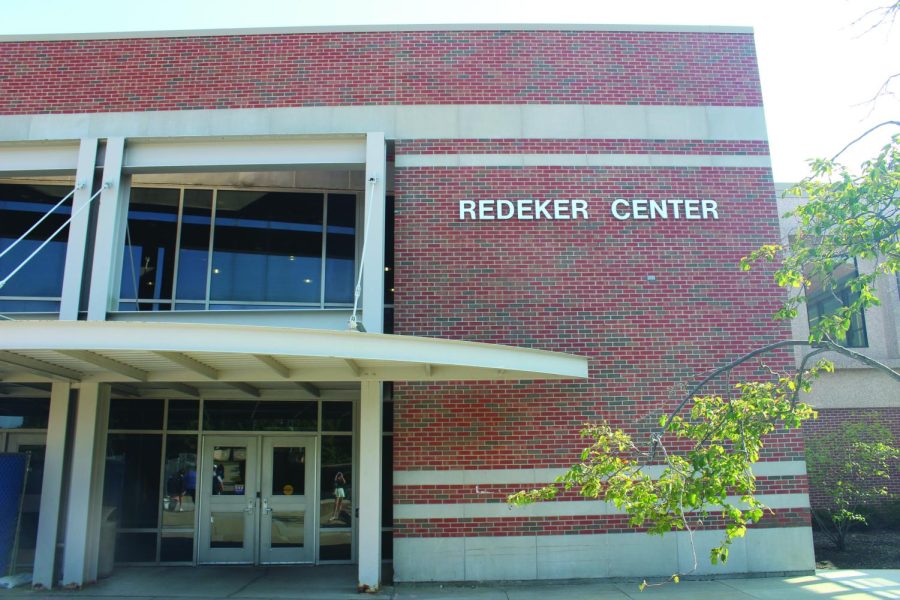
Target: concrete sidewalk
[[844, 584], [337, 582]]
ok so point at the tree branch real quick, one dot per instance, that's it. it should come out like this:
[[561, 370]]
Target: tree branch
[[821, 346], [867, 132]]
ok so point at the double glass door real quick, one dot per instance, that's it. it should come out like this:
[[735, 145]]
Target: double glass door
[[257, 503]]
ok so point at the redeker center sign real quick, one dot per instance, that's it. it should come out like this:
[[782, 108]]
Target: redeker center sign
[[639, 209]]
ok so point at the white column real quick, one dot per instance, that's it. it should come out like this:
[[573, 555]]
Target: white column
[[369, 498], [80, 558], [106, 268], [373, 273], [76, 249], [51, 487]]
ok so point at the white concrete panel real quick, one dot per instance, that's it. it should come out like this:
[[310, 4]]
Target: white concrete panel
[[416, 122], [501, 558], [366, 28], [543, 476], [30, 159], [615, 121], [404, 122], [596, 556], [572, 556], [782, 549], [736, 123], [487, 121], [351, 119], [694, 558], [54, 127], [429, 559], [498, 510], [642, 555], [217, 154], [677, 122], [15, 128], [549, 121]]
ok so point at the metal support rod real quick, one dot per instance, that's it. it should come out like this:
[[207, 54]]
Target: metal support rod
[[53, 235], [41, 220]]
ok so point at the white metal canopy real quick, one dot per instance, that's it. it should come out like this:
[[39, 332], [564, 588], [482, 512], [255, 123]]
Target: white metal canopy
[[242, 356]]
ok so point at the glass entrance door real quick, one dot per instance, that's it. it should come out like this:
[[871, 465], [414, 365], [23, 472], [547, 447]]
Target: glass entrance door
[[256, 499]]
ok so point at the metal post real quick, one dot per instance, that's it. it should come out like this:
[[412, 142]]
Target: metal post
[[370, 485], [51, 487]]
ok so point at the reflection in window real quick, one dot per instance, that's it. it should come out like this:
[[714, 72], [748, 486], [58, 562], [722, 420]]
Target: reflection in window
[[340, 248], [337, 478], [268, 247], [38, 286], [132, 478], [24, 413], [229, 476], [825, 300], [204, 249], [149, 261], [180, 475], [288, 471], [241, 415]]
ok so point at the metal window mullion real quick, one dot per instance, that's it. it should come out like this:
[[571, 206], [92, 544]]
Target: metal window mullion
[[212, 240], [179, 223], [324, 251], [162, 480]]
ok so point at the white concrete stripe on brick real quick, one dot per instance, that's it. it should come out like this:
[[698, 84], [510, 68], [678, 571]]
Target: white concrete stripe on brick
[[488, 121], [499, 510], [542, 476]]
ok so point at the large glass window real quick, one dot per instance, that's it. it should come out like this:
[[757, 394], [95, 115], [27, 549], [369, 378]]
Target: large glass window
[[268, 248], [204, 249], [825, 300], [149, 262], [38, 286]]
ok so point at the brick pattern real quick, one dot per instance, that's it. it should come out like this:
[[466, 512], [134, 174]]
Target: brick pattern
[[584, 146], [831, 419], [497, 494], [577, 525], [379, 68], [579, 287]]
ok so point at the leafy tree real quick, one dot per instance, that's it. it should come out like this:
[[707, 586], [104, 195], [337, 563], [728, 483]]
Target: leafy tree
[[847, 217], [852, 466]]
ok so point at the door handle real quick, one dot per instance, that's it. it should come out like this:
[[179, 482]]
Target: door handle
[[266, 508], [249, 509]]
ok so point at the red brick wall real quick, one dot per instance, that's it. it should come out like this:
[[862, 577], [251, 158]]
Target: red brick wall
[[579, 287], [318, 69], [831, 419]]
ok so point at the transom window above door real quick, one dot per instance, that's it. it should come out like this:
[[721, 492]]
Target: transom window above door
[[225, 249]]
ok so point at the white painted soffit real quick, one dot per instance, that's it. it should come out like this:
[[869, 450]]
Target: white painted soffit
[[107, 351]]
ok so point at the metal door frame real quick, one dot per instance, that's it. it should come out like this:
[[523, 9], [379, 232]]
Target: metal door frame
[[253, 501]]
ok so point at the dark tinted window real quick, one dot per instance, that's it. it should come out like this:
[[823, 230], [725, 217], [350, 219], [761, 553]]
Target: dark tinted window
[[21, 206], [340, 255], [268, 247], [132, 478], [221, 415], [128, 413], [148, 265], [24, 413]]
